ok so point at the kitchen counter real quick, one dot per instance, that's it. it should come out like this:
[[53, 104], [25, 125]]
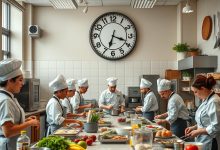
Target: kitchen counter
[[99, 146]]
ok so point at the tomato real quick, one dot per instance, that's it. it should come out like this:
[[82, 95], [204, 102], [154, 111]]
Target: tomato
[[89, 141], [149, 126], [191, 147]]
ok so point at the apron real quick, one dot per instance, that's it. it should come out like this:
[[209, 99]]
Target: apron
[[178, 127], [208, 145], [70, 106], [9, 143], [148, 115], [53, 127], [80, 103]]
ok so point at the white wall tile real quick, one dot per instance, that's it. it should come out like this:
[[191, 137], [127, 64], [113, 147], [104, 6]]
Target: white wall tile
[[60, 64], [103, 72], [102, 65], [69, 65], [77, 64], [52, 64]]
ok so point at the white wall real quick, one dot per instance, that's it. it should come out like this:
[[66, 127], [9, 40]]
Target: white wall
[[64, 47], [207, 8]]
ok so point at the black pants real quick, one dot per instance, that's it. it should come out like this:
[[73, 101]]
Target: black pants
[[214, 144], [149, 115], [178, 127]]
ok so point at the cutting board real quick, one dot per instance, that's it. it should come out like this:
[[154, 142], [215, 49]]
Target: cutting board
[[206, 27]]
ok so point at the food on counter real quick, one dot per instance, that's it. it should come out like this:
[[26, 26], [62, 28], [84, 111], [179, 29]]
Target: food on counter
[[76, 140], [89, 141], [101, 121], [66, 131], [191, 147], [119, 137], [121, 120], [93, 137], [142, 146], [103, 129], [75, 147], [54, 143], [82, 144], [84, 138], [164, 133]]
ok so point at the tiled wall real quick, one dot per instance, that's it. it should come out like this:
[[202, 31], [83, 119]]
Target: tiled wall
[[127, 72]]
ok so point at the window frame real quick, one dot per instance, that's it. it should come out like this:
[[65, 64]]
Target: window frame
[[6, 31]]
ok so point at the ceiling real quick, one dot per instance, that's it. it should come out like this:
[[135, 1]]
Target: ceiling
[[101, 2]]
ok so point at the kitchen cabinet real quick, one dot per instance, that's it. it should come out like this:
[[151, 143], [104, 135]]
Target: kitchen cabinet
[[192, 66]]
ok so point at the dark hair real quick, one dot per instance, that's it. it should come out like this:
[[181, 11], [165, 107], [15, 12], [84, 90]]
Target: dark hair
[[203, 81], [4, 83]]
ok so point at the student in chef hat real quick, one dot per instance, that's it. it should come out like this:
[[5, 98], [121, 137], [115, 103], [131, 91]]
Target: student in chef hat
[[78, 101], [150, 101], [12, 118], [111, 98], [177, 113], [67, 100], [56, 113]]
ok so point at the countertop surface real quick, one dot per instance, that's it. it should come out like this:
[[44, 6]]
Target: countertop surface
[[99, 146]]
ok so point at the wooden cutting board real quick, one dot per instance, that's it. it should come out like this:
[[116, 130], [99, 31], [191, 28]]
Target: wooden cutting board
[[206, 27]]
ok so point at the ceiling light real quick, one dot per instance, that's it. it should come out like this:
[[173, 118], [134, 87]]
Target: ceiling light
[[143, 3], [64, 4], [187, 9]]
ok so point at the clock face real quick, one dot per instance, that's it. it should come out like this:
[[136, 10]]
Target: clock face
[[113, 36]]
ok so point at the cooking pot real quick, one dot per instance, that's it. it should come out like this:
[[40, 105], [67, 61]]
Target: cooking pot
[[128, 113], [114, 112]]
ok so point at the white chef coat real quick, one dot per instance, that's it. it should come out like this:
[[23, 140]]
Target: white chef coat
[[10, 111], [176, 108], [66, 103], [208, 117], [76, 101], [150, 102], [108, 98], [55, 112]]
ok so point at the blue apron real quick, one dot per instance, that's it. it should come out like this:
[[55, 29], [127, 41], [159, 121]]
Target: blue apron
[[9, 143], [179, 126], [80, 103], [53, 127], [149, 115]]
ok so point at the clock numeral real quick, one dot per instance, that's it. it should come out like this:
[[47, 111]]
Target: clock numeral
[[113, 18], [128, 44], [121, 51], [105, 50], [98, 44], [121, 20], [130, 36], [104, 20], [95, 35], [128, 27], [113, 53], [98, 27]]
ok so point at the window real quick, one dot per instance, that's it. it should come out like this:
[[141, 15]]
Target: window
[[6, 29]]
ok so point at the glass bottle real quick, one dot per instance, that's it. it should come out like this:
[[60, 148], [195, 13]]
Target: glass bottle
[[23, 141]]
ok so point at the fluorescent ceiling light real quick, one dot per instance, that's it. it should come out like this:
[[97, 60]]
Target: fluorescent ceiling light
[[187, 9], [64, 4], [143, 3]]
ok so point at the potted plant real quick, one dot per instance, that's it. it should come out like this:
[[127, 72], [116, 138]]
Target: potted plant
[[181, 49], [91, 126], [186, 76], [193, 52]]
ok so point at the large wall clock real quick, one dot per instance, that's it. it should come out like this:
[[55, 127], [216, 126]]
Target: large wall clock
[[113, 36]]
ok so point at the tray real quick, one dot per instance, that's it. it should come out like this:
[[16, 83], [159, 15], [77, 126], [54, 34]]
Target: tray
[[111, 141], [67, 132], [106, 124]]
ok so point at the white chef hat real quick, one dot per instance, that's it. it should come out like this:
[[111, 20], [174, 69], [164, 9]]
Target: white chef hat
[[112, 81], [10, 68], [59, 83], [71, 84], [163, 85], [83, 82], [145, 83]]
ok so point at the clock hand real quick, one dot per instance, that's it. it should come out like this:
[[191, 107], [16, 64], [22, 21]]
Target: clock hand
[[110, 43], [120, 38]]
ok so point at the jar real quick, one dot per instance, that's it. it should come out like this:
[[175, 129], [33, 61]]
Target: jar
[[142, 138]]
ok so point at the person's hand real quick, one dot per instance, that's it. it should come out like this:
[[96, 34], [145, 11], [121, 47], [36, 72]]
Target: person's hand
[[82, 114], [122, 110], [158, 117], [195, 133], [109, 107], [162, 121], [138, 109], [34, 122], [31, 117], [188, 130]]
